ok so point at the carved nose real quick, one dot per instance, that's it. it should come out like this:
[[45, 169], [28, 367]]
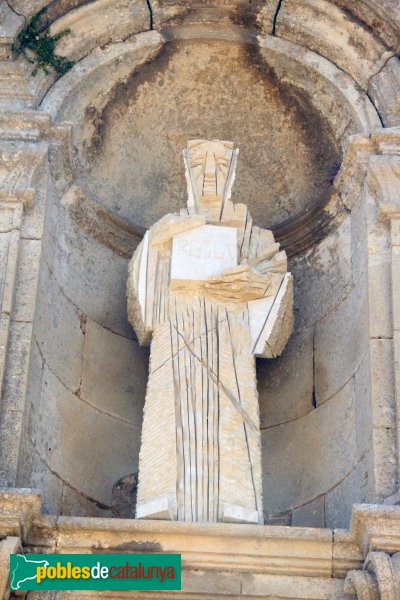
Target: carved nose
[[209, 171]]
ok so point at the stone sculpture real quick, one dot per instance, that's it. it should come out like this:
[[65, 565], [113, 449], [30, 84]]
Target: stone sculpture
[[210, 291]]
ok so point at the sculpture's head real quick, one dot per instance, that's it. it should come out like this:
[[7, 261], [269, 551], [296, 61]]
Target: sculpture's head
[[210, 172]]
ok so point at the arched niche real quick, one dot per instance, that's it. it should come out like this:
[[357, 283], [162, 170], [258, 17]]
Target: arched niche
[[132, 106]]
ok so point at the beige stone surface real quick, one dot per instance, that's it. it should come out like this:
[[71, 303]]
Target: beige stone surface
[[115, 21], [27, 279], [305, 469], [165, 101], [203, 252], [90, 273], [285, 385], [81, 432], [326, 29], [380, 285], [356, 487], [294, 563], [207, 445], [384, 90], [109, 359], [383, 407], [335, 362], [9, 545], [15, 377], [324, 276], [10, 24], [62, 345], [364, 419], [312, 513]]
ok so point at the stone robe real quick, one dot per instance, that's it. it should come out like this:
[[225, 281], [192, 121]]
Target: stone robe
[[200, 458]]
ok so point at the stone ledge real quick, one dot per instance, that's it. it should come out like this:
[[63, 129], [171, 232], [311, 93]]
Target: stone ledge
[[219, 560]]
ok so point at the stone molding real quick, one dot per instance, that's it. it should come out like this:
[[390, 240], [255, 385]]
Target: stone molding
[[228, 560], [369, 34], [379, 579], [25, 140]]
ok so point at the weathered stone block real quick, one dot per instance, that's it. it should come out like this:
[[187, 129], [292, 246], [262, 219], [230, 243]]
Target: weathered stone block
[[114, 374], [27, 279], [51, 487], [16, 373], [359, 242], [10, 431], [379, 292], [59, 331], [364, 421], [10, 257], [311, 514], [396, 286], [202, 582], [69, 429], [317, 25], [27, 7], [76, 504], [289, 586], [285, 385], [356, 487], [384, 89], [298, 456], [92, 274], [382, 383], [340, 343], [385, 462], [115, 21], [323, 276], [10, 24]]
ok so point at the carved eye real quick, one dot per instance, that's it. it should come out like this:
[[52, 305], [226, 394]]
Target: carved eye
[[197, 162]]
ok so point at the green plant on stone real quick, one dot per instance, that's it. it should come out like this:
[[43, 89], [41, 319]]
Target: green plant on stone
[[38, 46]]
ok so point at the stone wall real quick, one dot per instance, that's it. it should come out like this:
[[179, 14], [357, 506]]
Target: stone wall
[[88, 376], [317, 424]]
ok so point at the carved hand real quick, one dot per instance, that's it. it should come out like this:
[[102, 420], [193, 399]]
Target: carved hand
[[241, 283]]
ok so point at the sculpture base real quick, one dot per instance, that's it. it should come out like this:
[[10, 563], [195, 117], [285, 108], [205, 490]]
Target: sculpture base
[[165, 509]]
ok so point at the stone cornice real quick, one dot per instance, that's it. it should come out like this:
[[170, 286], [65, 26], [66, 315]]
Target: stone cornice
[[271, 550], [375, 527], [277, 558]]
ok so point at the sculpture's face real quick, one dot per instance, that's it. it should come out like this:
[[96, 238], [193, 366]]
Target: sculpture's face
[[209, 163]]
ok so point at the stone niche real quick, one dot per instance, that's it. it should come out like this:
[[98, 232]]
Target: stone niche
[[132, 106]]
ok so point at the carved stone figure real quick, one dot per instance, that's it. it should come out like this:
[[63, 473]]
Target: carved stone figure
[[209, 291]]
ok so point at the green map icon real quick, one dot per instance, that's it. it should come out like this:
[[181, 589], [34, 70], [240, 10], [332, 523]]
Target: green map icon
[[24, 570]]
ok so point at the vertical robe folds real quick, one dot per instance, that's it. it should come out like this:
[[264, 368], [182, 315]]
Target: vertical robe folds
[[200, 458]]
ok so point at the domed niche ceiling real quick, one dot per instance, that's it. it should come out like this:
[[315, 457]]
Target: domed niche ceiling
[[130, 152]]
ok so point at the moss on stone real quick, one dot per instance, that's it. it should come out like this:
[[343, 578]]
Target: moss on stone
[[38, 46]]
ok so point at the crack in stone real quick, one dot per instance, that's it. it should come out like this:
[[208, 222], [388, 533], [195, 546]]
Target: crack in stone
[[14, 11], [64, 482], [322, 403], [325, 492], [393, 55], [151, 15], [82, 314], [77, 392], [277, 11]]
